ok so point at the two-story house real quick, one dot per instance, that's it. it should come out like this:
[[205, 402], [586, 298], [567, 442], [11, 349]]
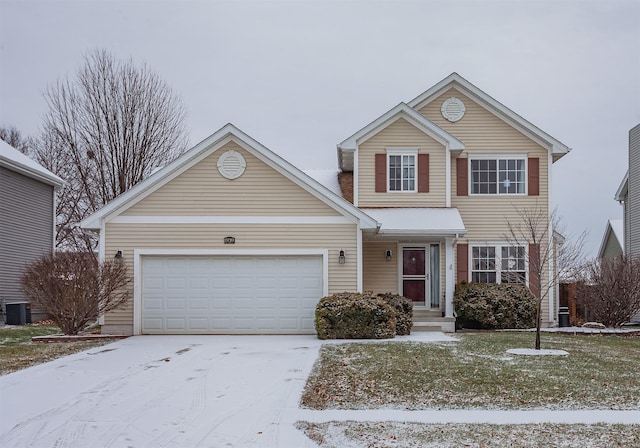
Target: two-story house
[[628, 195], [27, 222], [232, 238]]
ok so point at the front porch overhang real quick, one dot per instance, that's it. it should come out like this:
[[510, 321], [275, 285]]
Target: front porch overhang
[[416, 223]]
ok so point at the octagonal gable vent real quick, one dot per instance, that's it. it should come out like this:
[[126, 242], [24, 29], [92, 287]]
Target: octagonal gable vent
[[231, 164], [453, 109]]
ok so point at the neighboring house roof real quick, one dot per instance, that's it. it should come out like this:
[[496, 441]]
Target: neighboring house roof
[[614, 229], [14, 160], [557, 148], [418, 221], [623, 188], [205, 148], [347, 148]]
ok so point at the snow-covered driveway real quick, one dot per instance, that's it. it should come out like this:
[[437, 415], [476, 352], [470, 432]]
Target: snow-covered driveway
[[162, 391]]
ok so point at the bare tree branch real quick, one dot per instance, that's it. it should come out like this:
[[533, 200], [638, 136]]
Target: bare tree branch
[[104, 132], [550, 255], [74, 288]]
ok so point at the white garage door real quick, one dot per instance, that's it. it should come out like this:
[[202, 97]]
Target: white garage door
[[230, 294]]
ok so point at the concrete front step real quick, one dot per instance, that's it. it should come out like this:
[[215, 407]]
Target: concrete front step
[[446, 324]]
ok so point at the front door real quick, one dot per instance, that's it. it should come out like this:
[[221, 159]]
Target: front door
[[421, 275], [415, 275]]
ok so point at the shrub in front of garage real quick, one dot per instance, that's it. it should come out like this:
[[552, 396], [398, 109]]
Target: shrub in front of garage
[[404, 312], [493, 306], [354, 316]]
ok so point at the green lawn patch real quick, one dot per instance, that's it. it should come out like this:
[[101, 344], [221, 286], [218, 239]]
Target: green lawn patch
[[476, 372], [17, 351], [398, 435]]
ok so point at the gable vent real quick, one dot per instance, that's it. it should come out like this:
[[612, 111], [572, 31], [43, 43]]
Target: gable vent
[[231, 164], [453, 109]]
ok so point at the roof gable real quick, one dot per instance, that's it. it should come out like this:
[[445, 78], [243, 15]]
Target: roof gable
[[207, 147], [347, 147], [556, 148], [613, 231], [623, 189], [14, 160]]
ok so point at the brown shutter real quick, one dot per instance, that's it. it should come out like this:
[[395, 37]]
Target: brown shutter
[[423, 173], [462, 263], [462, 178], [534, 176], [534, 262], [381, 173]]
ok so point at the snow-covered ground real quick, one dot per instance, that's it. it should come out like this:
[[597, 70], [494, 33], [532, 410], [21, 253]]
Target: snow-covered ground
[[198, 391]]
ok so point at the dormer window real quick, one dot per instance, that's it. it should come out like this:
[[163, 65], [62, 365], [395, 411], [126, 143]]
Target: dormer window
[[402, 170]]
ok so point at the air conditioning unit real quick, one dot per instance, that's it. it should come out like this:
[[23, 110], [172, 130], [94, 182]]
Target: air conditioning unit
[[18, 313]]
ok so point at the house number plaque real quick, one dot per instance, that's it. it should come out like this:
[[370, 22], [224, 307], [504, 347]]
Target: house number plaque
[[229, 240]]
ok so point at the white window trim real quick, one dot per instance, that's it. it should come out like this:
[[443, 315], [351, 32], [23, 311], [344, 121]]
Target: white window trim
[[497, 157], [498, 245], [400, 151]]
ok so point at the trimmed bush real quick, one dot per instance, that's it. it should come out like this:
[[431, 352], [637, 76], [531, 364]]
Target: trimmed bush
[[494, 306], [404, 312], [354, 316]]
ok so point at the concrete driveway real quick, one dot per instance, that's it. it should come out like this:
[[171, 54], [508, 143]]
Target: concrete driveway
[[162, 391]]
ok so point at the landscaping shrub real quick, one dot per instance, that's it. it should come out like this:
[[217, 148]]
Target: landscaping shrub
[[404, 312], [494, 306], [354, 316], [75, 288]]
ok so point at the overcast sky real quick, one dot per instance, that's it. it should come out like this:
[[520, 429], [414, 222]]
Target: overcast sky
[[302, 76]]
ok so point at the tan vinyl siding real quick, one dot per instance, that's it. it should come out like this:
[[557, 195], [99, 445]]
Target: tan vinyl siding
[[202, 190], [127, 237], [486, 216], [482, 132], [378, 274], [401, 134]]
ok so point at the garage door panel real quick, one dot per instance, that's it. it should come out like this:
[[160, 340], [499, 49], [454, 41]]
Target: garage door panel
[[230, 294]]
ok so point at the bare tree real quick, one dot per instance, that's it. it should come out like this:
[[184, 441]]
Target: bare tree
[[551, 256], [104, 132], [74, 288], [13, 136], [610, 290]]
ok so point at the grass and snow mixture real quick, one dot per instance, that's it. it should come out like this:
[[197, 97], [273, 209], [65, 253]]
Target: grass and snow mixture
[[352, 434], [476, 372]]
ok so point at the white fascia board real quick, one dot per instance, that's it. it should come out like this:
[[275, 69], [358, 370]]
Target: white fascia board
[[557, 148], [623, 188], [304, 181], [605, 238], [402, 110], [205, 148], [210, 219], [49, 179], [403, 233], [158, 179]]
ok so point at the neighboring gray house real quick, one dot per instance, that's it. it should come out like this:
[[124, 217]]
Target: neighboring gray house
[[27, 219], [613, 240], [628, 195]]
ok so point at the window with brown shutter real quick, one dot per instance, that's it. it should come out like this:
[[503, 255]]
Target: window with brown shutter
[[534, 176], [381, 173], [462, 177], [423, 173], [462, 262]]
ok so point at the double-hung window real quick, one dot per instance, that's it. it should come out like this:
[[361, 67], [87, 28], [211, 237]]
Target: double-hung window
[[498, 264], [402, 169], [498, 176]]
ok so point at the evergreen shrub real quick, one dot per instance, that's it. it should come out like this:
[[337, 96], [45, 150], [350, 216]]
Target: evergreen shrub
[[494, 306]]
